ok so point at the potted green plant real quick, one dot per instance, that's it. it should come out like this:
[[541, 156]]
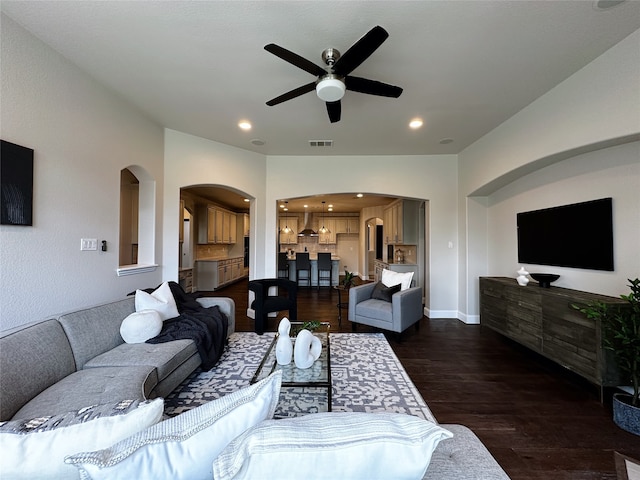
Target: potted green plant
[[311, 325], [621, 335], [348, 279]]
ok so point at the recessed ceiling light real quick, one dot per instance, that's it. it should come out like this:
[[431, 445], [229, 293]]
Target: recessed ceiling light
[[257, 141], [306, 206], [606, 4], [330, 209], [330, 205], [360, 195], [244, 125], [415, 123], [445, 141], [247, 200]]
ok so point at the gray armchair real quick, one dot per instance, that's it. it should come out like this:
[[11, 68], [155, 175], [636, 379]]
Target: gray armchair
[[404, 310]]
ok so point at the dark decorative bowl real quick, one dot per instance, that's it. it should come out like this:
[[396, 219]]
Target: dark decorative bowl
[[544, 279]]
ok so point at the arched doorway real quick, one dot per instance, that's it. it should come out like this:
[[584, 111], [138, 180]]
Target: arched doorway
[[218, 230]]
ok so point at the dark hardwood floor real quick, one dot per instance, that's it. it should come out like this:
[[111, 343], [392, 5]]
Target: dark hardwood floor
[[538, 420]]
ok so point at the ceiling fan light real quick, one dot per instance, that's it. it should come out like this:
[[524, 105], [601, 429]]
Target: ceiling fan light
[[330, 89]]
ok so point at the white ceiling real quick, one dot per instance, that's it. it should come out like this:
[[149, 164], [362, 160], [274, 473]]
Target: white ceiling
[[200, 67]]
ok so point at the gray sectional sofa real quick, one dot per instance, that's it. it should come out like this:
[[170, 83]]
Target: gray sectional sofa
[[80, 359]]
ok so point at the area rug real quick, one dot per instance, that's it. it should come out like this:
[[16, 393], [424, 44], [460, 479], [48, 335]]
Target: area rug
[[366, 377]]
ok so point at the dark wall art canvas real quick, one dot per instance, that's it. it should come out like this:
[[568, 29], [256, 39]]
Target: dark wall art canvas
[[16, 184]]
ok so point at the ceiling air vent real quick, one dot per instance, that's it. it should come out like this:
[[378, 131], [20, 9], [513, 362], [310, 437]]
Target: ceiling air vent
[[321, 143]]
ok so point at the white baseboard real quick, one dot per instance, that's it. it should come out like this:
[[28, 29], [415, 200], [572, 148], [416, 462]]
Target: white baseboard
[[453, 314], [440, 313], [469, 319]]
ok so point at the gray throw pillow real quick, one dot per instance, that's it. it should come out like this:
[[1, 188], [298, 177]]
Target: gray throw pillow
[[380, 292]]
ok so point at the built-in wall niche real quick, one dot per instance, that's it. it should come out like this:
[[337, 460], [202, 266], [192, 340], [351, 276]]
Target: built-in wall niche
[[129, 201], [136, 252]]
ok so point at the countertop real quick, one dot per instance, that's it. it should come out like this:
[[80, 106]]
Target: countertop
[[313, 257], [216, 259]]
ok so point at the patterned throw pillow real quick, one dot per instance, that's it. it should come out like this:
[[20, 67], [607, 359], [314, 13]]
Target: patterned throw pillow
[[86, 414], [37, 448], [184, 447]]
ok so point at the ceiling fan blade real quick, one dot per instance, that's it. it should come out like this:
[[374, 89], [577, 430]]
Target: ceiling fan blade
[[296, 92], [295, 59], [372, 87], [334, 109], [360, 51]]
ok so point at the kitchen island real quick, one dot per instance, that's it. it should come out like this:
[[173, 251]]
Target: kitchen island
[[313, 259], [214, 273]]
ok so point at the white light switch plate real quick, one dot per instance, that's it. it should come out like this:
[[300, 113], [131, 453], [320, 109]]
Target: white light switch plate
[[88, 244]]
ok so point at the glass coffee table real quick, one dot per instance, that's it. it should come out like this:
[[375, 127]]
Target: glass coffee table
[[317, 376]]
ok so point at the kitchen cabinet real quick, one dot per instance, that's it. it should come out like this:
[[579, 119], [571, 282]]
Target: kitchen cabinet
[[329, 237], [225, 226], [291, 237], [185, 279], [400, 223], [246, 224], [347, 224], [378, 267], [181, 222], [230, 227], [214, 274], [216, 225]]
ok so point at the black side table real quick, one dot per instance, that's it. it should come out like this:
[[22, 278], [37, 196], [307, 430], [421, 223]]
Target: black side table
[[341, 304]]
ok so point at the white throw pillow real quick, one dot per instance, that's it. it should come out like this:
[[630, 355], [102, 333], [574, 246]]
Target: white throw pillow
[[161, 300], [347, 446], [391, 278], [41, 454], [184, 447], [141, 326]]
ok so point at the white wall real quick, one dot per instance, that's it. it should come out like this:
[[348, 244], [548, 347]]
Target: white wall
[[429, 177], [191, 161], [83, 135], [612, 172], [595, 108]]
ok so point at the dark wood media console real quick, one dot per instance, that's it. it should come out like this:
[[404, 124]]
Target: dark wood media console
[[543, 320]]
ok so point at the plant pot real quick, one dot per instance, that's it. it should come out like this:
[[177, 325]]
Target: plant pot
[[625, 415]]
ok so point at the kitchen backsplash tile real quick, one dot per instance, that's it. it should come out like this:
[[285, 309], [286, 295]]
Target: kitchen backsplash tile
[[211, 251]]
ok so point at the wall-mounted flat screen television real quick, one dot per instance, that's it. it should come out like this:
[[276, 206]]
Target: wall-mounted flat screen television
[[579, 235]]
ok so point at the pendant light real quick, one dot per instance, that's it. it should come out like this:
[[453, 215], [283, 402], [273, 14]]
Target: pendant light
[[286, 228], [324, 229]]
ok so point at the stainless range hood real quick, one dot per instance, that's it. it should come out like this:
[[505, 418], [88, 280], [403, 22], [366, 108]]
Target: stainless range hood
[[307, 231]]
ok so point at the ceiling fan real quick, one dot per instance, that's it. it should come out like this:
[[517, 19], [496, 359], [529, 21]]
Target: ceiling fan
[[333, 80]]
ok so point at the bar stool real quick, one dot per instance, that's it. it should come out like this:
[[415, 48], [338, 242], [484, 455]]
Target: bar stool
[[303, 265], [324, 266], [283, 265]]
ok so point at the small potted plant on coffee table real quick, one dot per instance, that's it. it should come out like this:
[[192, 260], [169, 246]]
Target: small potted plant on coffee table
[[621, 335]]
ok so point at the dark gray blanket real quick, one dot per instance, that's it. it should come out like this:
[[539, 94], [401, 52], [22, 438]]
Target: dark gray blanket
[[207, 327]]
